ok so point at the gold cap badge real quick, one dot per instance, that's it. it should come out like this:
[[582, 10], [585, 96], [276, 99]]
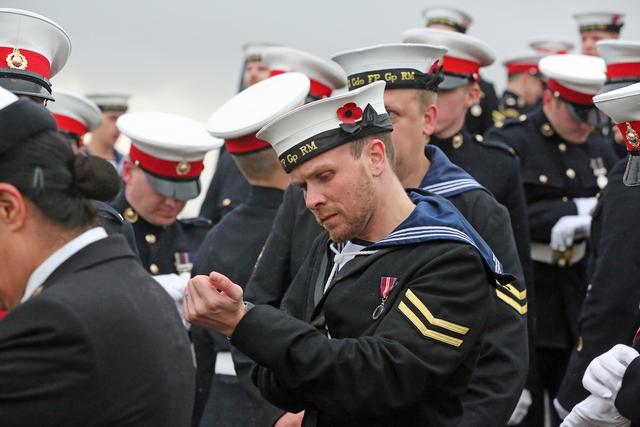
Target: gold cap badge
[[183, 168], [17, 60], [632, 136]]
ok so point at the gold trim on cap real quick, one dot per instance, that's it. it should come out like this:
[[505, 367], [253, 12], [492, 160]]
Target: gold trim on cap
[[183, 168], [17, 60], [632, 136]]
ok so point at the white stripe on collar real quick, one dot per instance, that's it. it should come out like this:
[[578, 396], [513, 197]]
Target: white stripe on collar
[[56, 259]]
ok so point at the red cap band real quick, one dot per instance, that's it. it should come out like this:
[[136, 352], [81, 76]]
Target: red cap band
[[246, 144], [522, 68], [70, 125], [627, 69], [166, 168], [3, 313], [631, 134], [34, 61], [569, 94], [461, 66], [316, 89]]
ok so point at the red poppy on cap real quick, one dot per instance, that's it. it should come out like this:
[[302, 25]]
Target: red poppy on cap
[[349, 113]]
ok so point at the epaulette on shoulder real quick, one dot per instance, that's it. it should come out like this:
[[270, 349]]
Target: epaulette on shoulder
[[495, 144], [197, 222], [107, 212], [509, 122]]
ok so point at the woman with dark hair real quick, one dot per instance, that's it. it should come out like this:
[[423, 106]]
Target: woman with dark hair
[[89, 338]]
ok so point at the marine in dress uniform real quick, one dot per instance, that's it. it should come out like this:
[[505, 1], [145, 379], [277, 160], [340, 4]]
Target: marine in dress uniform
[[76, 349], [611, 309], [221, 398], [524, 88], [161, 174], [33, 49], [75, 116], [229, 187], [623, 68], [561, 179], [365, 299], [283, 254], [105, 136], [479, 116]]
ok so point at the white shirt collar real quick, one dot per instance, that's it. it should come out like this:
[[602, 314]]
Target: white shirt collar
[[54, 261]]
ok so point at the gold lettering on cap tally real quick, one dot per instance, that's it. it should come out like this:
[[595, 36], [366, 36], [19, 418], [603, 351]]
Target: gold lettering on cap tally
[[308, 148], [373, 77], [390, 77], [17, 60], [356, 81], [408, 75], [292, 158]]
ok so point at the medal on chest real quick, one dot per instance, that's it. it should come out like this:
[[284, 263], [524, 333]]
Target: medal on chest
[[386, 286], [182, 262], [600, 172]]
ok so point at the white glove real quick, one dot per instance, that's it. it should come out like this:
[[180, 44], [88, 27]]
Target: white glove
[[521, 408], [585, 205], [175, 286], [569, 229], [562, 413], [595, 412], [603, 376]]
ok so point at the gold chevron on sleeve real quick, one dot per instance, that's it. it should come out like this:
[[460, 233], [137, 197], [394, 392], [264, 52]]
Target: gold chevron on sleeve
[[462, 330], [455, 342], [522, 309], [521, 295]]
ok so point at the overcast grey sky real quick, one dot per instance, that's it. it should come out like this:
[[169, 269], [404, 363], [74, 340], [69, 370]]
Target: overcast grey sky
[[184, 56]]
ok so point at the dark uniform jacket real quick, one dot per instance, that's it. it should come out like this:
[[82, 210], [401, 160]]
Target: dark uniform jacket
[[511, 106], [480, 117], [114, 223], [165, 250], [407, 367], [102, 345], [232, 247], [554, 172], [228, 189], [611, 308], [504, 354]]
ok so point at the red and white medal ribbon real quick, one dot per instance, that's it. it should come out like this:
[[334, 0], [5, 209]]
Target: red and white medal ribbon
[[386, 286]]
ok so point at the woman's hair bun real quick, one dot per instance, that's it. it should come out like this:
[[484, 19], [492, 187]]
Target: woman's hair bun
[[95, 178]]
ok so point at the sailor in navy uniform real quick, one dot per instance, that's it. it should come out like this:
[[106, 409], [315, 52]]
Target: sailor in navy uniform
[[229, 187], [480, 115], [221, 399], [611, 308], [564, 166], [295, 226], [161, 174], [364, 298]]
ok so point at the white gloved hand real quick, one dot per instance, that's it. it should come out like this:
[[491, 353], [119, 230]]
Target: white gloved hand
[[569, 229], [595, 412], [585, 205], [175, 285], [603, 376], [522, 408]]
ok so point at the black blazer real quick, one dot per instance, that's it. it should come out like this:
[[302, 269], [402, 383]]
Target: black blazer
[[102, 345]]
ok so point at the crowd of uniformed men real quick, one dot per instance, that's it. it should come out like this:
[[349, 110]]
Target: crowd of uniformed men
[[384, 240]]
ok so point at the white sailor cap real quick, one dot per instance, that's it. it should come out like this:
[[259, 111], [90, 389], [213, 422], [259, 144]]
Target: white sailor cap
[[623, 62], [253, 51], [465, 54], [238, 120], [110, 101], [74, 113], [448, 16], [6, 98], [320, 126], [526, 63], [32, 50], [400, 65], [600, 21], [325, 75], [623, 106], [170, 149], [574, 78], [551, 46]]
